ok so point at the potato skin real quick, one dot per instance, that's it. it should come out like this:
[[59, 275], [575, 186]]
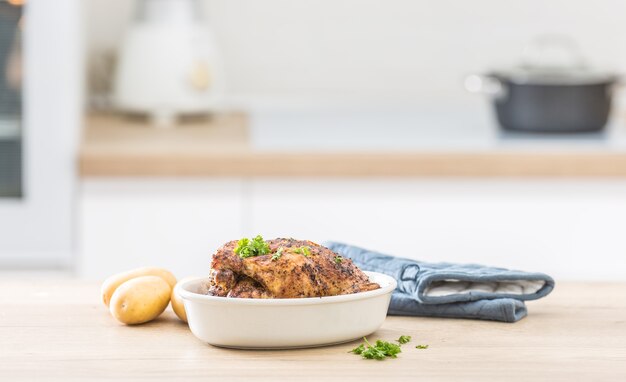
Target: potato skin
[[109, 285], [178, 306], [140, 300], [177, 302]]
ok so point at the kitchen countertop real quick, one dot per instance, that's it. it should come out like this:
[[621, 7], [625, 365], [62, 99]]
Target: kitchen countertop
[[343, 144], [59, 330]]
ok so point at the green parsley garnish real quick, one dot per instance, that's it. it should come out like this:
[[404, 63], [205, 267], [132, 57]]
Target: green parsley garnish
[[380, 351], [304, 250], [250, 248], [374, 353], [277, 254], [358, 350], [404, 340], [338, 259], [421, 347]]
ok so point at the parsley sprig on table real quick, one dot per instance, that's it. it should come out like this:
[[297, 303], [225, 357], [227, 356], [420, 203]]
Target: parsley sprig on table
[[380, 351], [250, 248], [404, 340], [383, 349]]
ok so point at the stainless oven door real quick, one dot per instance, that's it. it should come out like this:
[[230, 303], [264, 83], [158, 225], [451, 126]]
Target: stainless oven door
[[40, 108]]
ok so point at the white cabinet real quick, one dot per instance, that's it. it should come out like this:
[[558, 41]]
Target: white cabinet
[[176, 224], [569, 229]]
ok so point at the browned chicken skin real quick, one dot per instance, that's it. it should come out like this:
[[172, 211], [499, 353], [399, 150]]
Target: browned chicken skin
[[293, 274]]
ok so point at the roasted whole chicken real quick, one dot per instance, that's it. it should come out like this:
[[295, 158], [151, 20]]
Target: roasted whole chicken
[[283, 268]]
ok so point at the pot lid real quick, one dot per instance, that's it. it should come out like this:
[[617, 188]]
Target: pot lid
[[553, 60]]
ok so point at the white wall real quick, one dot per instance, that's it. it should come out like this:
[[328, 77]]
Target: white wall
[[414, 49]]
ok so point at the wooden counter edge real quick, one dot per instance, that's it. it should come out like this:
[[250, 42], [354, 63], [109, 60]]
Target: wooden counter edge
[[291, 164]]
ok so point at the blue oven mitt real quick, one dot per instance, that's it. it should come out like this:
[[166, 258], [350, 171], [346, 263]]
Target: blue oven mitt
[[452, 290]]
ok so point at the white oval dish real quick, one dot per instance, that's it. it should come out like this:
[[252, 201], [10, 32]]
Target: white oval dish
[[287, 322]]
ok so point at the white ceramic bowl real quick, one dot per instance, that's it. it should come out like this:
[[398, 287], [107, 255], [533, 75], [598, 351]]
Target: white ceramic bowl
[[285, 323]]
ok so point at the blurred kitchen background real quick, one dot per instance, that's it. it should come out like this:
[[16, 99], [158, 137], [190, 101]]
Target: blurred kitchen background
[[150, 132]]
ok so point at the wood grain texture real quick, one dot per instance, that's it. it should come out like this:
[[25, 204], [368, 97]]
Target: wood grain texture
[[114, 146], [59, 330]]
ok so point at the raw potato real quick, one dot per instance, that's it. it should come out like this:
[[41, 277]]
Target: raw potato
[[177, 302], [109, 285], [140, 300]]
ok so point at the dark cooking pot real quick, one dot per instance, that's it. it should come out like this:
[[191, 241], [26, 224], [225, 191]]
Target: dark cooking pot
[[548, 98]]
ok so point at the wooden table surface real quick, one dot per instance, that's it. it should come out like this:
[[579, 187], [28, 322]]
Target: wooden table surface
[[59, 330], [114, 146]]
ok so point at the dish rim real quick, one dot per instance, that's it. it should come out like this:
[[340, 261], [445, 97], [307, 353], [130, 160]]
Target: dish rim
[[387, 285]]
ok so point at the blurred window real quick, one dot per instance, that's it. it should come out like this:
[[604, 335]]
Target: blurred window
[[10, 98]]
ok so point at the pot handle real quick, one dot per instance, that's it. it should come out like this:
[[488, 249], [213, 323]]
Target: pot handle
[[484, 84], [618, 85]]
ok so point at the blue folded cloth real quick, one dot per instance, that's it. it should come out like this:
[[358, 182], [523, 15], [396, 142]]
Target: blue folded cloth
[[452, 290]]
